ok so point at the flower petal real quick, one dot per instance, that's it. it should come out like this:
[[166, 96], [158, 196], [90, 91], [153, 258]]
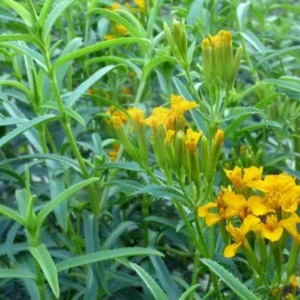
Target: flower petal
[[212, 219], [203, 210], [274, 235], [230, 250]]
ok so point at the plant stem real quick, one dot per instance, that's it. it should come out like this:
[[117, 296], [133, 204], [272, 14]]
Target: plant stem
[[195, 271], [145, 209]]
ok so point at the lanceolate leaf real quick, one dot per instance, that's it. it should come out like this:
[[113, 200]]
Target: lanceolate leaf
[[12, 214], [24, 14], [15, 273], [83, 87], [97, 47], [154, 288], [44, 259], [55, 14], [187, 293], [24, 127], [238, 287], [105, 255], [42, 215]]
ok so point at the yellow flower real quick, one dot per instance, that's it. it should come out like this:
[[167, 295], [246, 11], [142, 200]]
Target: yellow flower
[[222, 212], [179, 105], [170, 136], [219, 137], [293, 281], [239, 180], [235, 176], [205, 43], [122, 29], [141, 4], [238, 205], [117, 121], [273, 229], [109, 37], [159, 116], [137, 115], [281, 191], [116, 113], [113, 154], [192, 139], [239, 234], [115, 6]]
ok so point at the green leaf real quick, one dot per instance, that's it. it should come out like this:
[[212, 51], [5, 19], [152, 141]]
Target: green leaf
[[72, 113], [62, 159], [163, 192], [242, 14], [14, 273], [161, 221], [131, 166], [115, 234], [254, 41], [26, 126], [105, 255], [152, 17], [97, 47], [45, 11], [83, 87], [133, 31], [12, 214], [154, 288], [187, 293], [19, 86], [55, 14], [20, 37], [116, 59], [44, 259], [152, 64], [91, 237], [14, 175], [21, 11], [163, 275], [238, 287], [286, 84], [237, 112], [257, 126], [42, 215]]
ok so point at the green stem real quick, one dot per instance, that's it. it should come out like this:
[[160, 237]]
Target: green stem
[[145, 209], [195, 271]]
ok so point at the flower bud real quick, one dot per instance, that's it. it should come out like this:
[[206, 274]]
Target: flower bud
[[236, 63], [204, 154], [169, 36], [206, 60], [179, 146]]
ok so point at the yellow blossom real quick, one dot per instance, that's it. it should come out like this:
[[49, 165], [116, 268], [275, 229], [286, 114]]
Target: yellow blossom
[[109, 37], [137, 115], [192, 139], [113, 154], [219, 137], [205, 43], [141, 4], [281, 191], [122, 29], [117, 121], [170, 136], [115, 6], [239, 234], [272, 229], [240, 180]]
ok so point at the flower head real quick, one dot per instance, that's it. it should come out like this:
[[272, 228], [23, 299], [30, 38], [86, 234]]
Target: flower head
[[113, 154], [239, 234], [192, 139], [170, 136], [137, 115]]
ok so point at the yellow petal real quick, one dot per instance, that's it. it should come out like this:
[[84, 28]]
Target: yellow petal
[[290, 226], [261, 210], [230, 250], [212, 219], [274, 235], [203, 210], [249, 224]]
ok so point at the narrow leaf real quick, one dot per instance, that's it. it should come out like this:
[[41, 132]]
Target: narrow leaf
[[42, 215], [105, 255], [44, 259], [238, 287], [154, 288], [14, 273]]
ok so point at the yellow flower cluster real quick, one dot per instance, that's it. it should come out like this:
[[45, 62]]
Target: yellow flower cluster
[[172, 118], [219, 64], [141, 4], [265, 206]]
